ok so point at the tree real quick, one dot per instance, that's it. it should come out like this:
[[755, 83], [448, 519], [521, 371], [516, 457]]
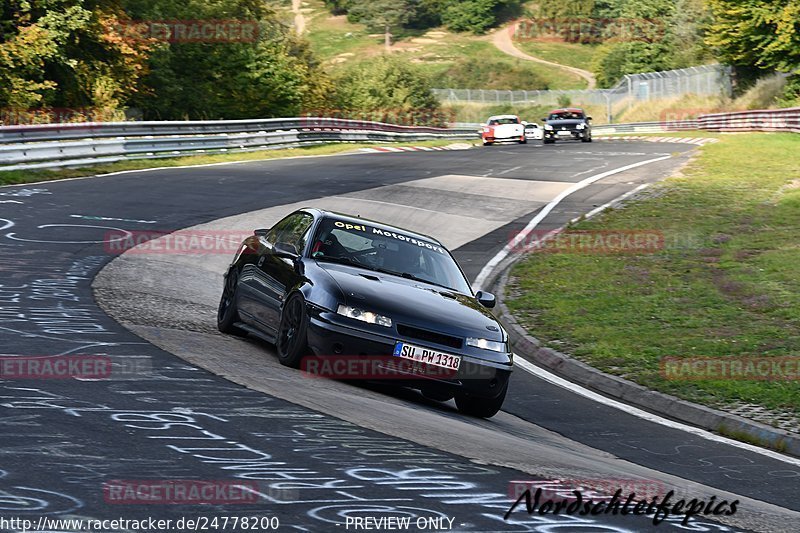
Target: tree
[[476, 16], [65, 53], [383, 15], [388, 89], [275, 75], [762, 33]]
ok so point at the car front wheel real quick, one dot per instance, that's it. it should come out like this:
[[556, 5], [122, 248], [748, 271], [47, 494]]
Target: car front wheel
[[481, 407], [227, 314], [292, 341]]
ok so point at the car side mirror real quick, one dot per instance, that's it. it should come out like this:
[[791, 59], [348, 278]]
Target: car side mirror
[[260, 232], [486, 299], [286, 250], [544, 119], [588, 118]]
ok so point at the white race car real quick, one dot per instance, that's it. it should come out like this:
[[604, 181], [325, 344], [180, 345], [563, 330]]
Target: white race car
[[501, 128], [533, 130]]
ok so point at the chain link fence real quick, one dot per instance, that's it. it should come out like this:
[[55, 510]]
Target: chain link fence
[[703, 80]]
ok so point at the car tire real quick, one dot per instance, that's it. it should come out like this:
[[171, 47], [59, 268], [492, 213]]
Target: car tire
[[227, 314], [291, 340], [549, 141], [481, 407], [587, 139], [523, 141], [487, 144]]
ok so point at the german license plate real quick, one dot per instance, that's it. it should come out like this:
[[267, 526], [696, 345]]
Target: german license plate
[[426, 355], [564, 132]]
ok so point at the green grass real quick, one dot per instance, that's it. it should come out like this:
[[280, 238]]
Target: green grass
[[726, 284], [573, 55], [14, 177], [460, 60]]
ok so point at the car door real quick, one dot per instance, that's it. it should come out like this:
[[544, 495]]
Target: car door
[[277, 274]]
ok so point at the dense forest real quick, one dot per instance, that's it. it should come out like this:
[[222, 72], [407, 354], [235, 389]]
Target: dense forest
[[107, 56]]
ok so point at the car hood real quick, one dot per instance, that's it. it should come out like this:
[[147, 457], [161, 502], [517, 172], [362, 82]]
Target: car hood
[[507, 128], [567, 122], [414, 303]]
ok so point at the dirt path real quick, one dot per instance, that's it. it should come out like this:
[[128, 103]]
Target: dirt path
[[299, 18], [502, 39]]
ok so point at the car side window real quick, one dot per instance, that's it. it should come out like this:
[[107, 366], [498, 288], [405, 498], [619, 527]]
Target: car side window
[[294, 230]]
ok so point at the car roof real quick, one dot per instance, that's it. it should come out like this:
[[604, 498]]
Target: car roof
[[323, 213], [568, 109], [496, 117]]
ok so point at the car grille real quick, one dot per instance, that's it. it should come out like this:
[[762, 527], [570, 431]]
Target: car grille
[[430, 336]]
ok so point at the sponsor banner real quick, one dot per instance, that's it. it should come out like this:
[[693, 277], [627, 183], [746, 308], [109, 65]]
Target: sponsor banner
[[55, 367], [188, 31], [183, 242], [588, 241], [731, 368]]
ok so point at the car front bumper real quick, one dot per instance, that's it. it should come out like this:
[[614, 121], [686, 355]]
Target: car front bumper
[[573, 134], [475, 377]]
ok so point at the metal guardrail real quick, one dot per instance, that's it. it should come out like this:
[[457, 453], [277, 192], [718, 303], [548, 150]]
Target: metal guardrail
[[646, 127], [786, 120], [61, 145]]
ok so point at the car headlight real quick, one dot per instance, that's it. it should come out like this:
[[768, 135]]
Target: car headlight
[[484, 344], [364, 316], [548, 126]]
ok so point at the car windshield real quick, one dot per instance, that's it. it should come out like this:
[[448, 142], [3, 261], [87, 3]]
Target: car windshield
[[389, 252], [565, 115], [498, 121]]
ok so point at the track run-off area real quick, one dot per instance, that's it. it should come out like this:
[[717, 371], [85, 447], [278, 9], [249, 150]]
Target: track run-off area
[[187, 403]]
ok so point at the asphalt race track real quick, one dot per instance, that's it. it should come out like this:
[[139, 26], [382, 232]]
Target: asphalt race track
[[184, 402]]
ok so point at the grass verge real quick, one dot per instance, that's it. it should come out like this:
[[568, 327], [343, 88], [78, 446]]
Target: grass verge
[[726, 283], [14, 177]]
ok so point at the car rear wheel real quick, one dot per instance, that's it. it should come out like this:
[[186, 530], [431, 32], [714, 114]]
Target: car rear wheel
[[481, 407], [292, 341], [227, 314]]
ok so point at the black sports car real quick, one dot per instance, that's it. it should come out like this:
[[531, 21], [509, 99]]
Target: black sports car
[[568, 123], [325, 287]]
